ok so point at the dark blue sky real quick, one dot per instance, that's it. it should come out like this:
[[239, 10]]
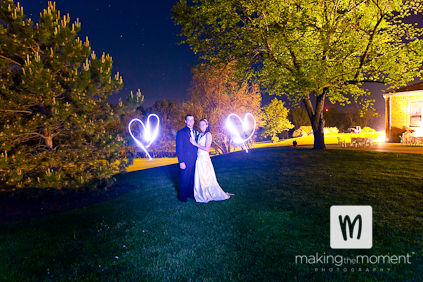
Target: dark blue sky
[[141, 38]]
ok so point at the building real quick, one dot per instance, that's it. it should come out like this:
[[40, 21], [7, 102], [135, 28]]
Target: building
[[403, 111]]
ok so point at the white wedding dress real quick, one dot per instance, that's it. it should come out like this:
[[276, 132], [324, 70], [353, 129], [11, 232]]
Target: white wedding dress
[[206, 187]]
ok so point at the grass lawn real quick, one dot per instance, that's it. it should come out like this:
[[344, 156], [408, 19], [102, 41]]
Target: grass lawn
[[280, 210], [143, 163]]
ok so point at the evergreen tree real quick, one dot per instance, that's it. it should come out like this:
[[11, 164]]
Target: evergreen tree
[[57, 128]]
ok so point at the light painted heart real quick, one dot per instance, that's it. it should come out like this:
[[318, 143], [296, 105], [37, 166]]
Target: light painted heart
[[147, 135], [246, 127]]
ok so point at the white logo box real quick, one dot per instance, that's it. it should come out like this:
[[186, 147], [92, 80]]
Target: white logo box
[[351, 218]]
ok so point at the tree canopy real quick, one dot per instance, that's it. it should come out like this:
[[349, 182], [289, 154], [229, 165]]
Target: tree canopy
[[308, 50], [214, 94]]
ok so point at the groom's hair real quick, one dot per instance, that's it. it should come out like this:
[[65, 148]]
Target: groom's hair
[[188, 115]]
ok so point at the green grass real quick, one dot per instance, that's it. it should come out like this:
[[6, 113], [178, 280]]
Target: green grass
[[281, 209]]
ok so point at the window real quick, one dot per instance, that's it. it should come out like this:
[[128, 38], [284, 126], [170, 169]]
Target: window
[[416, 109]]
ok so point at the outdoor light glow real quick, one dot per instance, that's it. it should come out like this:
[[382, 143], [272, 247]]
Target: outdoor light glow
[[148, 135], [418, 131], [246, 126], [380, 139]]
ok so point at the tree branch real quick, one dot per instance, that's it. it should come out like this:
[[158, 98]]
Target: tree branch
[[364, 81], [10, 60], [366, 52], [309, 107], [16, 111]]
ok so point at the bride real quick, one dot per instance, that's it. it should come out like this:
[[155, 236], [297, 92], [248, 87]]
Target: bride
[[206, 187]]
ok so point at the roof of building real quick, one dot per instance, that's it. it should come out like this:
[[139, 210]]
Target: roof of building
[[412, 87]]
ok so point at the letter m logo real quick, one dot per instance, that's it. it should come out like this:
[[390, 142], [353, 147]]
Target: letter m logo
[[351, 227]]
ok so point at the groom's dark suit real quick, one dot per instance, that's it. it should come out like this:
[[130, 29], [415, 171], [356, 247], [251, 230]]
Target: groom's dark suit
[[186, 153]]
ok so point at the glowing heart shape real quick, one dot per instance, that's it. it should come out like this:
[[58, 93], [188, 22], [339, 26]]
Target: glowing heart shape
[[148, 135], [245, 127]]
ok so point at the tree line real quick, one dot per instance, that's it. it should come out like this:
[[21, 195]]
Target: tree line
[[58, 128], [310, 51]]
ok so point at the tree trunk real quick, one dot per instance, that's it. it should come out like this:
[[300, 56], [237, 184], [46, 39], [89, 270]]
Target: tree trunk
[[319, 135], [219, 147], [228, 145], [316, 118]]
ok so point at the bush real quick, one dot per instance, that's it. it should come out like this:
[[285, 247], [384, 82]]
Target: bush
[[367, 129], [396, 133], [327, 130], [303, 131], [275, 139]]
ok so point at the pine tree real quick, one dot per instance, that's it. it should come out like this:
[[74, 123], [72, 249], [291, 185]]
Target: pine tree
[[57, 128]]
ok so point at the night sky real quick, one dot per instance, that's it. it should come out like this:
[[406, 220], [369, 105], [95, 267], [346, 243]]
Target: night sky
[[139, 35], [142, 39]]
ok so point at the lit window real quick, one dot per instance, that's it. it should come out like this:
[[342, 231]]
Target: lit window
[[416, 109]]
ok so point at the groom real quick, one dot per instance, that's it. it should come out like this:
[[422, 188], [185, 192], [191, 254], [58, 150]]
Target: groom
[[187, 156]]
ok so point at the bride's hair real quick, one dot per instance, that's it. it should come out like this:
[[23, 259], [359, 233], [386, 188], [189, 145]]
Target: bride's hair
[[207, 123]]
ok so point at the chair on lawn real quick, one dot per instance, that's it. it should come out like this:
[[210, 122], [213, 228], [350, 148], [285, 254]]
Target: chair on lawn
[[361, 142], [342, 142], [369, 141], [358, 142], [407, 137]]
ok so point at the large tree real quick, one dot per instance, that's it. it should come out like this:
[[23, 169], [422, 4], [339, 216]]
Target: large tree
[[57, 127], [214, 94], [308, 50]]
